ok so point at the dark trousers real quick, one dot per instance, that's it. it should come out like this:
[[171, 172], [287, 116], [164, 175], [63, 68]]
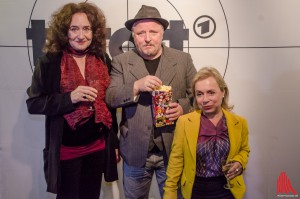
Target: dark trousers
[[210, 188], [81, 177]]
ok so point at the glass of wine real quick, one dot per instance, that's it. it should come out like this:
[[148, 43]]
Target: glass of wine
[[91, 103], [91, 106], [225, 169]]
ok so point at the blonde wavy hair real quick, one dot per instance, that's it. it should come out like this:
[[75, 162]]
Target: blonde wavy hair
[[210, 71]]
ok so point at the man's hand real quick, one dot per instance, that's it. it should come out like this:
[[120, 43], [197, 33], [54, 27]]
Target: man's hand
[[146, 84], [118, 158]]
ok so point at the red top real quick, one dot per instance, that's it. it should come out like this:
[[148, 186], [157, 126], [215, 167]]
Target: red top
[[67, 152]]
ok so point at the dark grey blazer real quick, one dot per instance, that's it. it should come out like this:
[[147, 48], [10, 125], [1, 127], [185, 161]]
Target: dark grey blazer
[[175, 69]]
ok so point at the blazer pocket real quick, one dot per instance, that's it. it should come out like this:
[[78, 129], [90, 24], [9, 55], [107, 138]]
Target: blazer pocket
[[183, 180], [238, 182], [124, 131], [183, 185]]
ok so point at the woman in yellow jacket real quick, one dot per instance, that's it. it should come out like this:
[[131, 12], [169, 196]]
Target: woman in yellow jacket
[[204, 141]]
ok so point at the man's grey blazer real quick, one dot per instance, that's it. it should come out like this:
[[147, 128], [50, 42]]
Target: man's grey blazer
[[175, 69]]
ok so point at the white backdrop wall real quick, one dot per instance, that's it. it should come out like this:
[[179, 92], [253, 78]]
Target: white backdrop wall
[[256, 45]]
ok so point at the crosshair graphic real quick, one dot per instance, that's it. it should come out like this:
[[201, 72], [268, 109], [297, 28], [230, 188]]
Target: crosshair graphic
[[29, 22], [209, 29]]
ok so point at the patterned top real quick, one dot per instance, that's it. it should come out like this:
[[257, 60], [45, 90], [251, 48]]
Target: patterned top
[[212, 148]]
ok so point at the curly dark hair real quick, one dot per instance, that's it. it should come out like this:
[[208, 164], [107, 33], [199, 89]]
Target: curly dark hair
[[57, 33]]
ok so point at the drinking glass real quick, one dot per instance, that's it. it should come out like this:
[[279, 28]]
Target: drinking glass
[[91, 106], [225, 169], [91, 103]]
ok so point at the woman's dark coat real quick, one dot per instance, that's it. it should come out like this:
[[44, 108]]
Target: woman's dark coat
[[45, 98]]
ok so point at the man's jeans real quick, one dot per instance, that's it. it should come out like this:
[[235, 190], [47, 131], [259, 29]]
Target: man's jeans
[[137, 181]]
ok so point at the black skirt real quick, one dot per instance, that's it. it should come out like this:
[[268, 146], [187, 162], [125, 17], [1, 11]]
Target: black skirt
[[211, 188]]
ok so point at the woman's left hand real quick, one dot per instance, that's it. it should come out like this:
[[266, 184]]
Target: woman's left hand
[[83, 94], [235, 170]]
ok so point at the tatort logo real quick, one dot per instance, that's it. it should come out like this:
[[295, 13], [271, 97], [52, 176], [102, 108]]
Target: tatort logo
[[284, 186], [175, 34]]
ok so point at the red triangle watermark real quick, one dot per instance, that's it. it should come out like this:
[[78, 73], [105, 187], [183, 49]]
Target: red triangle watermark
[[284, 186]]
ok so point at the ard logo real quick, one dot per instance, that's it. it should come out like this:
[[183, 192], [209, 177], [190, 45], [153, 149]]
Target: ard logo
[[284, 186]]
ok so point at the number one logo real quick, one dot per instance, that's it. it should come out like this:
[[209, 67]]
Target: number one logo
[[205, 27]]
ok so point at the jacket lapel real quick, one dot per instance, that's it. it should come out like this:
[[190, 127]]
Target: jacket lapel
[[234, 131], [165, 71], [192, 132], [137, 66]]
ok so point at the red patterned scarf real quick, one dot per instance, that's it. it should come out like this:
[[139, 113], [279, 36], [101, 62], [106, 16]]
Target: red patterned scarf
[[96, 76]]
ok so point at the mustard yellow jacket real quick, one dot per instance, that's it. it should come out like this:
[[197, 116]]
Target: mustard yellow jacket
[[182, 162]]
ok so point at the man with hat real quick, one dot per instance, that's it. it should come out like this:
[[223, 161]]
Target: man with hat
[[135, 74]]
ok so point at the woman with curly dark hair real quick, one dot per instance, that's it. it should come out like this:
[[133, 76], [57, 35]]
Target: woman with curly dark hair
[[68, 87]]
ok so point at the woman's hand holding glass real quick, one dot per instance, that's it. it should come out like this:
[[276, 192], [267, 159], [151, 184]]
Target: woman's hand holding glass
[[225, 169], [231, 170], [83, 94], [235, 170]]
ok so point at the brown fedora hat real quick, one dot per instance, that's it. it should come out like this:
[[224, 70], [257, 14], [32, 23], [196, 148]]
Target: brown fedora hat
[[147, 12]]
